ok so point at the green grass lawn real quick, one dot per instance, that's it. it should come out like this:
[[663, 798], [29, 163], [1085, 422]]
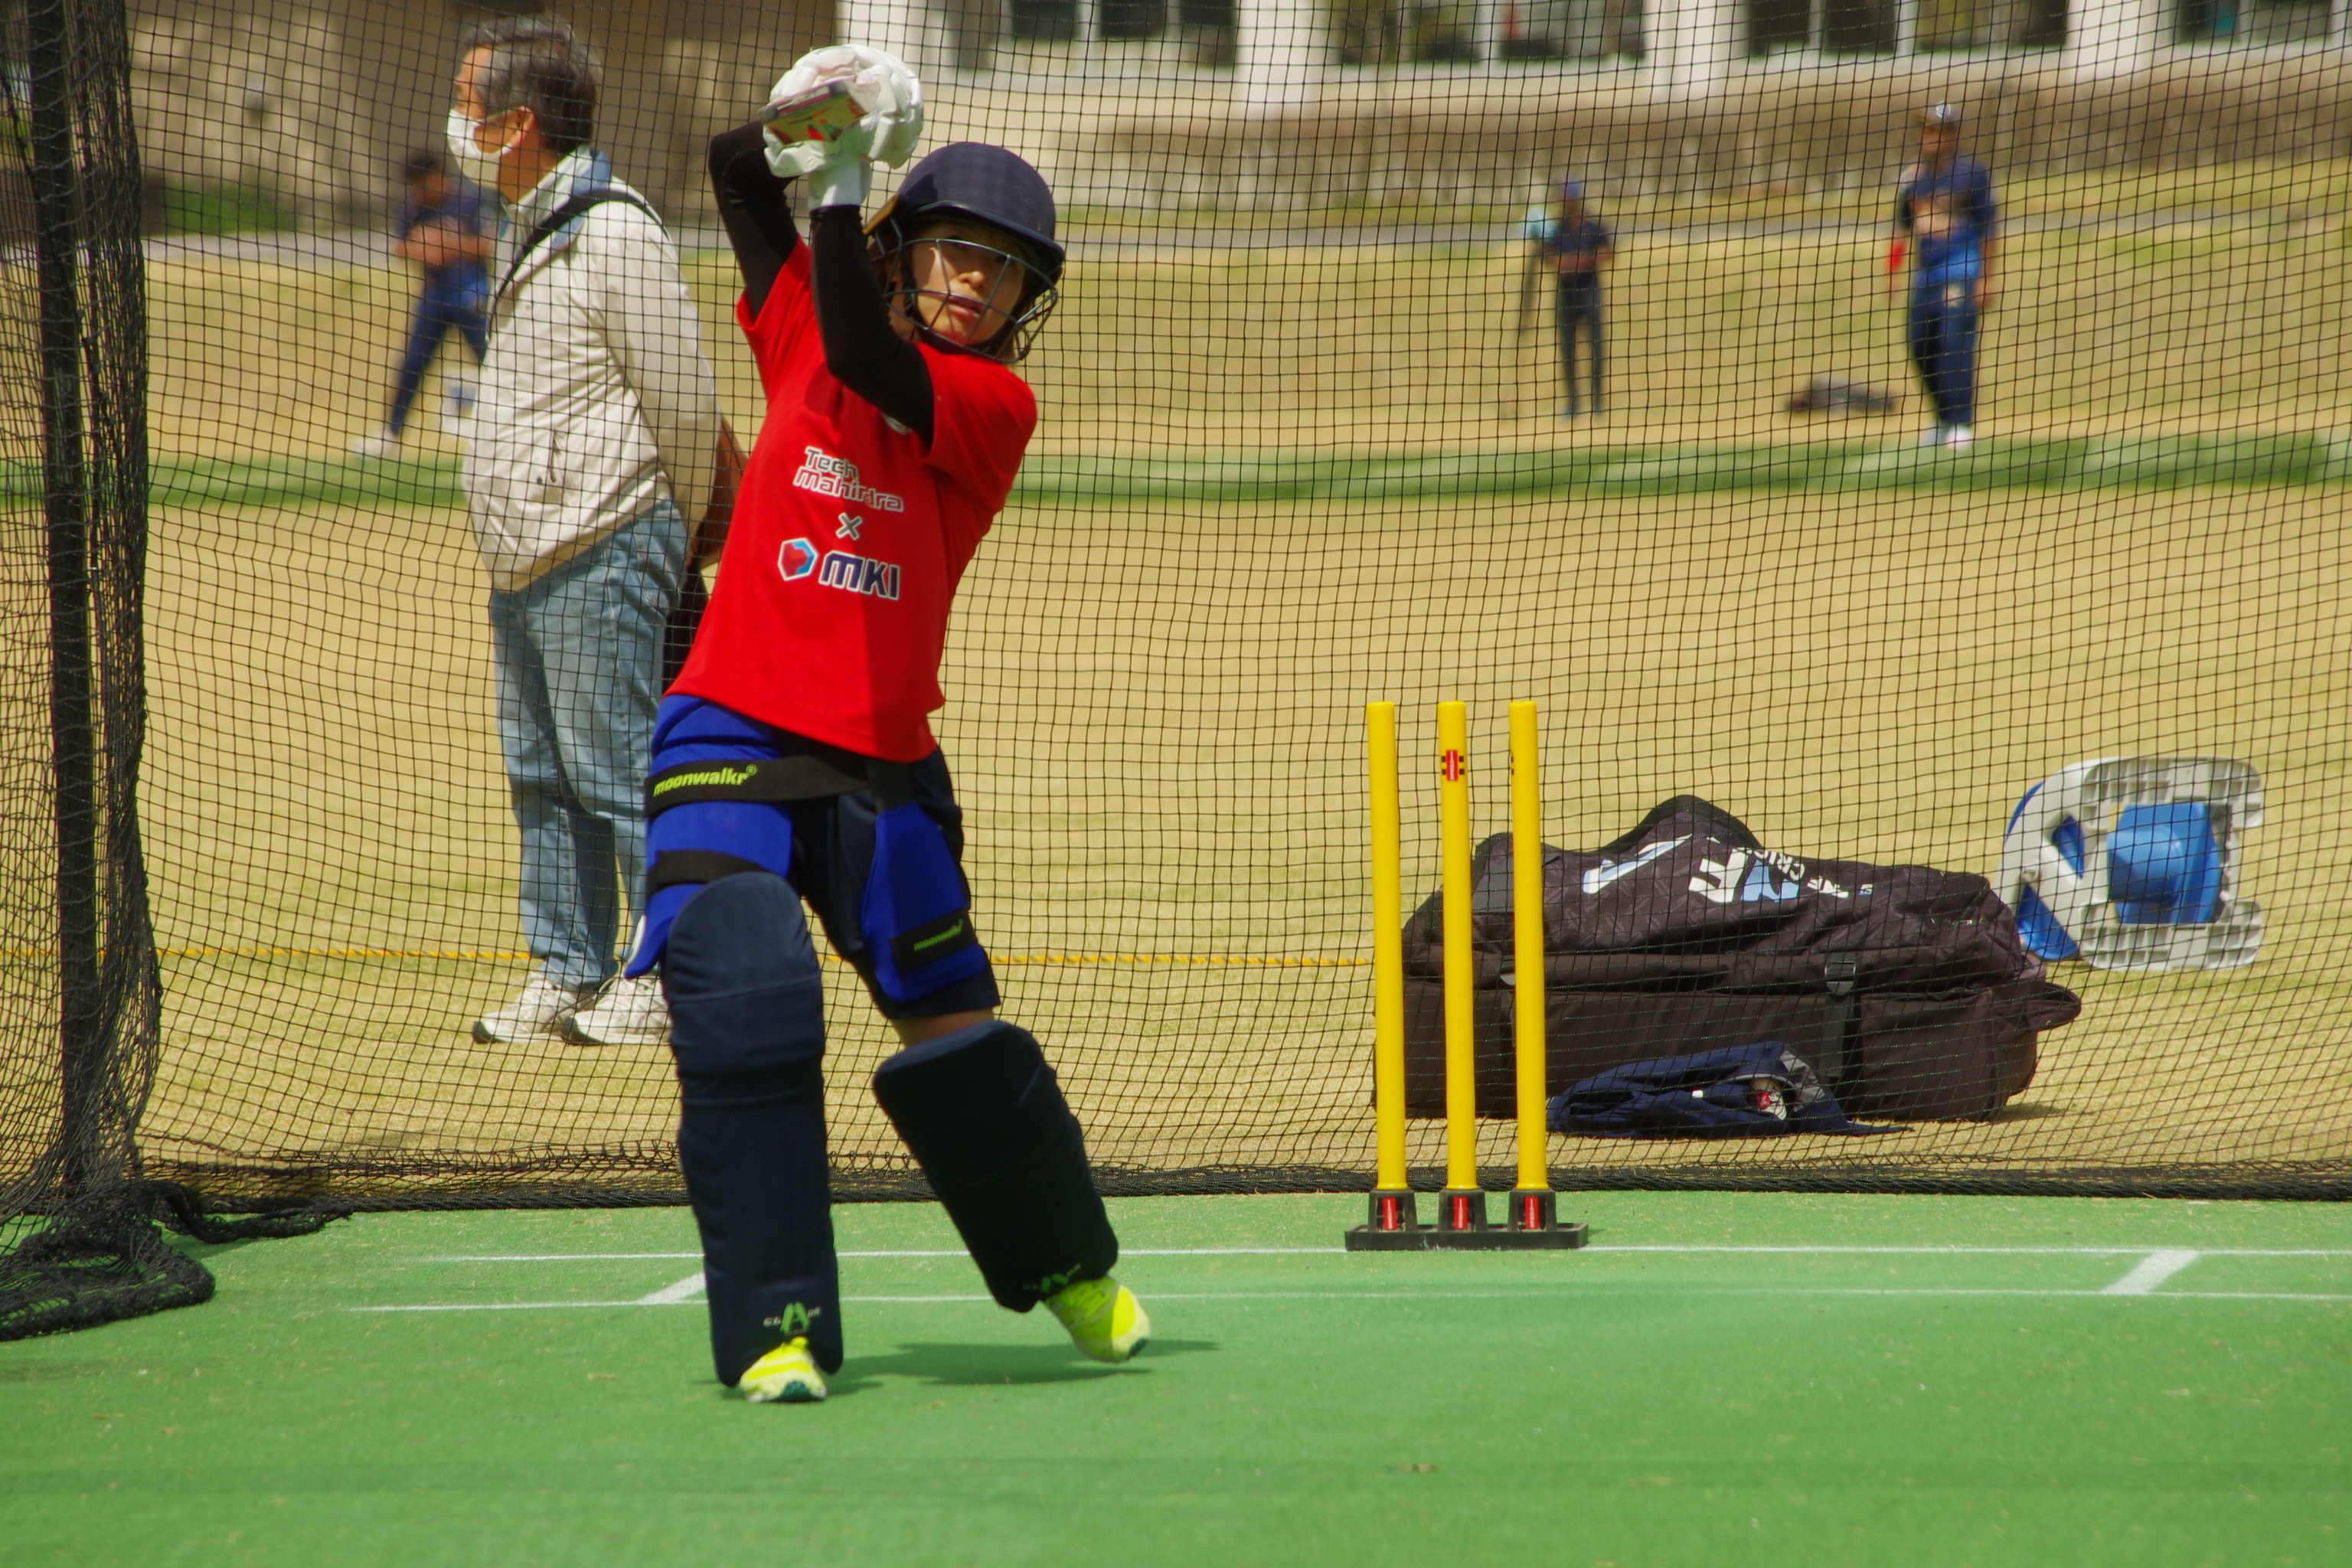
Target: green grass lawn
[[1714, 1381]]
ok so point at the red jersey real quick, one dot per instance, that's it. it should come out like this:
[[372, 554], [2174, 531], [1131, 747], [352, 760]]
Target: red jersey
[[849, 538]]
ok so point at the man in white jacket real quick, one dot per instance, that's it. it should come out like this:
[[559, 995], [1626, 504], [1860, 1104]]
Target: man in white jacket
[[594, 436]]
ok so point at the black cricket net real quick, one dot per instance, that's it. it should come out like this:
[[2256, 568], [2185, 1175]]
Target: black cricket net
[[1652, 362], [78, 1056]]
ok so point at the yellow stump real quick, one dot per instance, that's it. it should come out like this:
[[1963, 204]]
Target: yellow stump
[[1387, 947], [1528, 953], [1461, 1019], [1462, 1221]]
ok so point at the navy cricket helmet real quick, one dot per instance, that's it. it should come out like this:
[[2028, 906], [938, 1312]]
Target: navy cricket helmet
[[987, 184]]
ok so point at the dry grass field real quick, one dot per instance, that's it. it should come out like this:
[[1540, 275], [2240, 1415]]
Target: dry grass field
[[1155, 707], [1155, 719], [2146, 305]]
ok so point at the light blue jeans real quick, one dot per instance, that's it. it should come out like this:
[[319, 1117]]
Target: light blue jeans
[[579, 668]]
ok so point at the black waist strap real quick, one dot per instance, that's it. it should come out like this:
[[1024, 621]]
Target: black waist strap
[[672, 867], [802, 776]]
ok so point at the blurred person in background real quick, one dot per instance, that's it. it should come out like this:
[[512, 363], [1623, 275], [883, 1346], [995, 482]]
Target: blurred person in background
[[1577, 248], [1944, 203], [445, 228], [598, 427]]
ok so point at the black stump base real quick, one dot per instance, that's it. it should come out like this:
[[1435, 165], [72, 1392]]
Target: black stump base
[[1394, 1225]]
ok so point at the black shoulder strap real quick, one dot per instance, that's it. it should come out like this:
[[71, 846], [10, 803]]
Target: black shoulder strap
[[580, 202]]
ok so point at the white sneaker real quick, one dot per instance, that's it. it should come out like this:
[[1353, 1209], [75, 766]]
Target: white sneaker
[[1933, 436], [1960, 438], [384, 444], [626, 1013], [532, 1015]]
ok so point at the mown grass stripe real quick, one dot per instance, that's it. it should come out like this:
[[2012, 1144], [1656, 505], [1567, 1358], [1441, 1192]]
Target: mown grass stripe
[[2105, 463]]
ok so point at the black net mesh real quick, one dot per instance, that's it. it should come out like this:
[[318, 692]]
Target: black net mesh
[[1305, 441], [81, 1033]]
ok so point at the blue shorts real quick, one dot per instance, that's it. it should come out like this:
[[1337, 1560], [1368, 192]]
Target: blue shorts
[[875, 849]]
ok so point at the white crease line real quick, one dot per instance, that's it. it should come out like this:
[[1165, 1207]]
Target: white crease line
[[566, 1257], [686, 1290], [929, 1252], [1158, 1296], [2151, 1271], [1987, 1251], [1794, 1250], [494, 1306]]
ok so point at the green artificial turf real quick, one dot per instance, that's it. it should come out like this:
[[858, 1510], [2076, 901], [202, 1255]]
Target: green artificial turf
[[1610, 1408]]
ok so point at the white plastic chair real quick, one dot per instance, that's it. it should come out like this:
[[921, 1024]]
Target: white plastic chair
[[2132, 863]]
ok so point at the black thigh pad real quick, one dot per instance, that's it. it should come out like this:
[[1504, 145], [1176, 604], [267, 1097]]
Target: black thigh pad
[[984, 1115]]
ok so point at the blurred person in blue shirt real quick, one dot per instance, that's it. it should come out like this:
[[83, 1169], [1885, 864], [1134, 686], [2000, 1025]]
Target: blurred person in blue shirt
[[1944, 207], [448, 230], [1578, 247]]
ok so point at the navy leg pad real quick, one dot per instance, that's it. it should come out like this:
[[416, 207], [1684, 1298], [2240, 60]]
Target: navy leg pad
[[984, 1116], [747, 1025]]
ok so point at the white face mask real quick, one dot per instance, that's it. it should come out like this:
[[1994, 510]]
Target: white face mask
[[476, 165]]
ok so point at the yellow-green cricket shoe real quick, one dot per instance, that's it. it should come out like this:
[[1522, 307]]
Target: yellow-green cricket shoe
[[785, 1375], [1103, 1316]]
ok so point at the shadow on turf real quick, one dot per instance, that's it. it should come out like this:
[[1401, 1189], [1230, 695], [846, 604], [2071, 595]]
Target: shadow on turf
[[995, 1366]]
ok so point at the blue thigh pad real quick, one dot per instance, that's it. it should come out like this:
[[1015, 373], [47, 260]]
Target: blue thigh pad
[[915, 913], [687, 846]]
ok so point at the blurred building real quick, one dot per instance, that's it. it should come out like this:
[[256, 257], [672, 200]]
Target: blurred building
[[318, 102], [1175, 103]]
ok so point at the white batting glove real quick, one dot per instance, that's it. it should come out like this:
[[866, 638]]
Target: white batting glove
[[881, 85]]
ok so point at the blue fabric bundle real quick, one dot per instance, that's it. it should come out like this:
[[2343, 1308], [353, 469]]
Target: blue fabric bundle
[[1761, 1090]]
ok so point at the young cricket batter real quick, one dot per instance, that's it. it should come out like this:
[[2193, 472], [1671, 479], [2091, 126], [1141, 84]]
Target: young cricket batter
[[793, 758], [1944, 202]]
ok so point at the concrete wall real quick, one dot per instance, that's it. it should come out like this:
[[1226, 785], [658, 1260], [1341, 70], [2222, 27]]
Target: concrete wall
[[322, 100], [1758, 130]]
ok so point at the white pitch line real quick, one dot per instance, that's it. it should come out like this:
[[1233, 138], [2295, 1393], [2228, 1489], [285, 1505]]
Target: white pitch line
[[1426, 1296], [2151, 1271], [1986, 1251], [565, 1257], [1793, 1250], [922, 1252], [686, 1290]]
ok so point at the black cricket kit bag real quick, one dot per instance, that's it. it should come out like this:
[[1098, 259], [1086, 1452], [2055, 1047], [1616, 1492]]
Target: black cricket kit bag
[[1905, 988]]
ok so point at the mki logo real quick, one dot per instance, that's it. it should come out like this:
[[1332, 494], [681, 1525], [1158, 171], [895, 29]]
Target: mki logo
[[796, 560], [858, 575]]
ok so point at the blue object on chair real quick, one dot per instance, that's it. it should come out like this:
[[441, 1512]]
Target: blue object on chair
[[2163, 867], [2131, 863]]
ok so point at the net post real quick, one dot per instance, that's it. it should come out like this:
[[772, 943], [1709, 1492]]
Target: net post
[[1392, 1206], [1462, 1199], [65, 493], [1527, 954]]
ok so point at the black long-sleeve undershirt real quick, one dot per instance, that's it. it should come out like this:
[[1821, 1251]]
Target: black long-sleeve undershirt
[[751, 204], [860, 348]]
